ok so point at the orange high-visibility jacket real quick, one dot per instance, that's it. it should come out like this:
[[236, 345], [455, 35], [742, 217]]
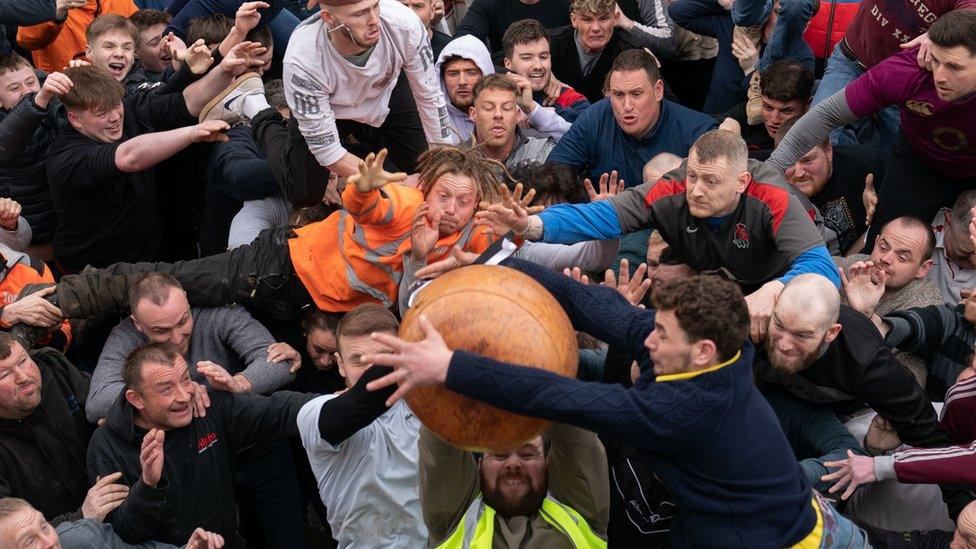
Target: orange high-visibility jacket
[[355, 255], [19, 270], [54, 44]]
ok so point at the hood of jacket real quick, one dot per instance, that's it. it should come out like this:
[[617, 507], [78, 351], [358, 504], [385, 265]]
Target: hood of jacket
[[466, 47]]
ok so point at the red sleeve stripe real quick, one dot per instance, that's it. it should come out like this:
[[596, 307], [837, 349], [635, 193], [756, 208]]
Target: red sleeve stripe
[[664, 188], [568, 97], [775, 198]]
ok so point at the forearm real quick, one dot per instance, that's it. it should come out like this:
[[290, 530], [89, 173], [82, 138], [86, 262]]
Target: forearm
[[344, 415], [813, 261], [198, 94], [590, 256], [547, 121], [407, 281], [346, 166], [448, 482], [951, 465], [811, 129], [233, 38], [145, 151], [578, 473], [572, 223], [18, 238], [599, 311], [661, 39], [29, 12], [18, 127], [140, 514], [431, 105]]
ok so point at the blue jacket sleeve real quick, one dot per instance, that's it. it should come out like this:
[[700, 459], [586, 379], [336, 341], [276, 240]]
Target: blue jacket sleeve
[[597, 310], [27, 12], [815, 260], [572, 223], [247, 174], [643, 416]]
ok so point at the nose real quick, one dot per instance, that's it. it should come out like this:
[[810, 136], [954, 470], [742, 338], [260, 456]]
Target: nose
[[886, 258], [628, 104], [50, 539], [783, 344], [181, 394], [697, 190], [650, 342], [798, 171]]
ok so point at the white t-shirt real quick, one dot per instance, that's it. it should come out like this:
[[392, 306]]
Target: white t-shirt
[[370, 482], [322, 86], [949, 277]]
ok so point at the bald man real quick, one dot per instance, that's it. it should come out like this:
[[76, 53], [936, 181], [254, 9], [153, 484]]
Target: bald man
[[825, 353], [660, 165]]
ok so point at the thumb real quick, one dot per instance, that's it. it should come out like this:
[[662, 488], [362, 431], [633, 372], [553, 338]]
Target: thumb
[[429, 331], [869, 181]]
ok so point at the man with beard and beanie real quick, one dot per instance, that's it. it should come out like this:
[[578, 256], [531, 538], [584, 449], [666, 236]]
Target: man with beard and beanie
[[695, 413], [824, 353]]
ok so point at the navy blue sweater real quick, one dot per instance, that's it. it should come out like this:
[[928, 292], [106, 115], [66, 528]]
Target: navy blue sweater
[[595, 144], [713, 440]]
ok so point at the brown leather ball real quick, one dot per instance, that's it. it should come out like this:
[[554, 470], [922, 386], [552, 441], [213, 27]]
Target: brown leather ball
[[499, 313]]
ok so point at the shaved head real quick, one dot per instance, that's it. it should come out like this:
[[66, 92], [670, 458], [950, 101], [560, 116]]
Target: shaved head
[[814, 295], [965, 535], [660, 165]]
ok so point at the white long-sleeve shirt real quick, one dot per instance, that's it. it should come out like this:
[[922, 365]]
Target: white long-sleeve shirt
[[322, 86]]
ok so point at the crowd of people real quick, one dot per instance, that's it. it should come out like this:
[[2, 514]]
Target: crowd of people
[[759, 216]]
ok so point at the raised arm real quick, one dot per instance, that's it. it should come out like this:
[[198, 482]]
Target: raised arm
[[812, 128], [249, 339], [448, 483], [425, 84]]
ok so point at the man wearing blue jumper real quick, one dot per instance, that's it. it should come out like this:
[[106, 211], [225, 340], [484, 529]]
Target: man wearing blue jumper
[[716, 217], [710, 435]]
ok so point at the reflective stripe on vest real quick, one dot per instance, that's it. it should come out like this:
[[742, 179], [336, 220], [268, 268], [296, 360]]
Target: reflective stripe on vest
[[477, 528]]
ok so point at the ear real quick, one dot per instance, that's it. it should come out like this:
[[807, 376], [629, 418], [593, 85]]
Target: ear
[[134, 399], [659, 89], [340, 364], [74, 121], [327, 17], [508, 63], [830, 152], [136, 323], [573, 20], [704, 353], [832, 333], [924, 269], [471, 112], [88, 51], [743, 181]]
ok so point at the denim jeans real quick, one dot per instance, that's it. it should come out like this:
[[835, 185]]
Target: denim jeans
[[839, 532], [879, 130], [787, 40]]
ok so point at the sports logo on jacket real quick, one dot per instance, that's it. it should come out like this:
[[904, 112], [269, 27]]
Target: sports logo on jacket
[[740, 236], [206, 441], [920, 108]]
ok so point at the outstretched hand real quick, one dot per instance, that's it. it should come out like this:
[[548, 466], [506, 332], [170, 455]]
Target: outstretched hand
[[418, 364], [372, 175], [609, 187], [458, 258], [510, 214], [851, 472], [864, 286], [633, 288]]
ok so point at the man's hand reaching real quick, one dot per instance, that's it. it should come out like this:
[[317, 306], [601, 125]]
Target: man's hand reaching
[[372, 175]]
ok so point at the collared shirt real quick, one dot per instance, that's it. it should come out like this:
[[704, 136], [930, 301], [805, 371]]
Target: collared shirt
[[946, 273]]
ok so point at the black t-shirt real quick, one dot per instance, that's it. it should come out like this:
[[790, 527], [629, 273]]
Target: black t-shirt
[[756, 137], [840, 199], [105, 215]]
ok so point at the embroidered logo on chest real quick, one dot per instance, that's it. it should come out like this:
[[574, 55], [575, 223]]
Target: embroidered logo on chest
[[206, 441], [740, 236], [920, 108]]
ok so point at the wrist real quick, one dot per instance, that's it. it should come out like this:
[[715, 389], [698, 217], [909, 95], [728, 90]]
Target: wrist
[[42, 98], [243, 384], [8, 315], [147, 483]]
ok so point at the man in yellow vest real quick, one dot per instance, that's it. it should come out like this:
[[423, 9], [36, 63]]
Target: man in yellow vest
[[552, 492]]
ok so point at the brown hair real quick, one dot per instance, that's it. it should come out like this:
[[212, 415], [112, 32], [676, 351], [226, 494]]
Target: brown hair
[[439, 161], [317, 319], [153, 286], [143, 19], [156, 353], [212, 29], [110, 22], [364, 320], [707, 307], [955, 29], [593, 7], [7, 345], [10, 62], [94, 89], [635, 60], [522, 32], [716, 144], [787, 80], [494, 81]]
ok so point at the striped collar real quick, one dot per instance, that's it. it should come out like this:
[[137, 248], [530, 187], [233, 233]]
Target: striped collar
[[688, 375]]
